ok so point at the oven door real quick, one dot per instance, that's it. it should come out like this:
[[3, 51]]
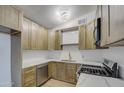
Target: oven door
[[42, 74]]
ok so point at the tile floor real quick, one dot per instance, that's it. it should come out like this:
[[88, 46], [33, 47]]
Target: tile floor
[[57, 83]]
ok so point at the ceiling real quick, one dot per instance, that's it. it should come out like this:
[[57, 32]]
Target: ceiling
[[46, 15]]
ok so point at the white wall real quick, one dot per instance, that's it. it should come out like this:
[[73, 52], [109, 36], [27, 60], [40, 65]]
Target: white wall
[[5, 60], [34, 54]]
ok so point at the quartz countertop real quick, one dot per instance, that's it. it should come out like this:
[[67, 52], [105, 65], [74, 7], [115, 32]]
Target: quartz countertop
[[33, 62], [87, 80]]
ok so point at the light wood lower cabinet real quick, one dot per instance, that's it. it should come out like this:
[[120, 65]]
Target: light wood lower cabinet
[[57, 70], [29, 77], [63, 71], [54, 70], [70, 73], [60, 73], [49, 69]]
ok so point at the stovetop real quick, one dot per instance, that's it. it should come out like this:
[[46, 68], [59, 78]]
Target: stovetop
[[94, 70]]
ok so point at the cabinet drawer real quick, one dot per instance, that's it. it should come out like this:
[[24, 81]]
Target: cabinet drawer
[[29, 76], [30, 84]]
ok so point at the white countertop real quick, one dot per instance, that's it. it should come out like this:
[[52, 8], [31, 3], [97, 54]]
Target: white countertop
[[29, 63], [87, 80], [33, 62]]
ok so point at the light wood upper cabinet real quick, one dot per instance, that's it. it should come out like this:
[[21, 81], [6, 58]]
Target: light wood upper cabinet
[[104, 24], [54, 40], [116, 16], [82, 31], [26, 34], [44, 39], [51, 40], [86, 36], [39, 37], [11, 17], [1, 15], [58, 40], [34, 36], [112, 25], [90, 41]]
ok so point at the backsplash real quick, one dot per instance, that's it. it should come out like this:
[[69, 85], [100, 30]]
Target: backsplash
[[35, 54], [93, 55]]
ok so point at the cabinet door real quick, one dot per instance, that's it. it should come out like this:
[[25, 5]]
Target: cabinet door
[[45, 39], [39, 37], [104, 24], [54, 70], [90, 42], [1, 15], [26, 34], [29, 77], [61, 71], [54, 40], [58, 40], [51, 40], [71, 73], [12, 18], [34, 36], [49, 69], [42, 42], [116, 23], [82, 37]]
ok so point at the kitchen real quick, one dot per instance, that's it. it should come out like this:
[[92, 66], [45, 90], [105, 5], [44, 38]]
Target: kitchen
[[67, 46]]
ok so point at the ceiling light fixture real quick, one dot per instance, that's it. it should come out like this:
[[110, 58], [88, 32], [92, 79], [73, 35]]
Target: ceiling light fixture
[[64, 14]]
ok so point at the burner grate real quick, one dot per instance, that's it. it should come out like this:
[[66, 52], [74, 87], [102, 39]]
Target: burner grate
[[95, 70]]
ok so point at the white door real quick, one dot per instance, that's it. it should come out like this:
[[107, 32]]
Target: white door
[[5, 60]]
